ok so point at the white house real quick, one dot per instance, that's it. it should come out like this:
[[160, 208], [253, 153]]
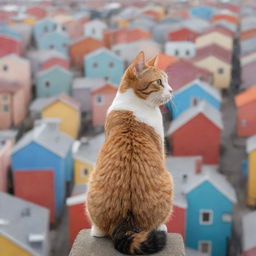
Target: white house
[[181, 49], [95, 29]]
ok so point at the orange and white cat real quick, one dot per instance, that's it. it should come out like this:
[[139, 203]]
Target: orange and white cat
[[130, 192]]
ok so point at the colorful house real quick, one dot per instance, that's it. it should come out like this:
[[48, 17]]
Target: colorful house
[[182, 34], [102, 97], [180, 49], [37, 11], [81, 91], [165, 60], [218, 61], [58, 41], [208, 221], [76, 211], [183, 72], [251, 151], [24, 227], [7, 140], [42, 28], [9, 45], [191, 94], [202, 11], [247, 58], [248, 237], [103, 63], [95, 29], [62, 107], [206, 121], [226, 17], [219, 36], [43, 154], [248, 45], [8, 71], [85, 155], [245, 118], [13, 104], [81, 47], [53, 81]]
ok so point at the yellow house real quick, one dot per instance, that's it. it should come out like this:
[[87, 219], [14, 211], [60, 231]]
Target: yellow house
[[24, 227], [85, 156], [67, 110], [29, 20], [215, 37], [251, 183], [221, 70]]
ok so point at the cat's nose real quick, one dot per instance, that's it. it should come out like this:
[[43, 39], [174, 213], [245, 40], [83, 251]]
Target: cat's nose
[[170, 90]]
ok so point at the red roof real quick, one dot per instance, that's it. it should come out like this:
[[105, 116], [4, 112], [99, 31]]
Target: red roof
[[213, 50], [221, 30], [246, 97], [182, 72], [69, 100], [9, 86]]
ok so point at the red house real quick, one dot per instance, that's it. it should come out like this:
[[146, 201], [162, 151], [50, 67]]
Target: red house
[[246, 117], [36, 181], [53, 61], [77, 212], [182, 72], [182, 34], [197, 132], [10, 45], [37, 11]]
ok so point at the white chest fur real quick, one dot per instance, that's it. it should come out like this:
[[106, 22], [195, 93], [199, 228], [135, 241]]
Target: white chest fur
[[144, 113]]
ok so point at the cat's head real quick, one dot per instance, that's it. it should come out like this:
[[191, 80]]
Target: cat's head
[[147, 81]]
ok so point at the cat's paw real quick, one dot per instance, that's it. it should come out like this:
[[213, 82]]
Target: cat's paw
[[96, 232], [162, 227]]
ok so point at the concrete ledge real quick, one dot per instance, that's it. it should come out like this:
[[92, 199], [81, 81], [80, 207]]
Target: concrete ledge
[[85, 245]]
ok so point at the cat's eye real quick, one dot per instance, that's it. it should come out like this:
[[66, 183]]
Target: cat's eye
[[159, 81]]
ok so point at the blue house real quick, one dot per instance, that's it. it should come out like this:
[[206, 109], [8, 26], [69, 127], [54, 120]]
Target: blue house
[[43, 27], [42, 149], [5, 30], [103, 63], [202, 12], [58, 41], [191, 94], [53, 81], [209, 201]]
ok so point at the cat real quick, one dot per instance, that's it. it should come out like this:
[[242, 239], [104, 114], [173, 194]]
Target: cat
[[130, 193]]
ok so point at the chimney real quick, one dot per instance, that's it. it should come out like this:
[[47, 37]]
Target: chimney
[[198, 166]]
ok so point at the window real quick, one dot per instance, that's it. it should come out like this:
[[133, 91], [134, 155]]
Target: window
[[176, 52], [64, 45], [51, 46], [93, 31], [244, 123], [106, 78], [5, 98], [46, 29], [187, 52], [64, 28], [5, 108], [194, 101], [118, 52], [54, 27], [206, 217], [5, 68], [111, 64], [84, 172], [205, 247], [99, 99], [226, 217], [47, 84], [220, 70], [95, 64]]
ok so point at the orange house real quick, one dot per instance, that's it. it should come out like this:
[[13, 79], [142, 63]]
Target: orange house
[[165, 60], [246, 118], [229, 18], [81, 47]]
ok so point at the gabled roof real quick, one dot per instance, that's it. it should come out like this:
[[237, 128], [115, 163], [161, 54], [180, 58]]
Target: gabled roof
[[87, 83], [205, 86], [246, 97], [251, 144], [101, 50], [249, 227], [164, 60], [213, 50], [44, 55], [46, 134], [41, 103], [53, 68], [87, 150], [202, 108], [15, 56], [21, 219], [219, 30], [98, 88]]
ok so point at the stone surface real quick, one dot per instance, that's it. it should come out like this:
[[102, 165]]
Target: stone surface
[[85, 245]]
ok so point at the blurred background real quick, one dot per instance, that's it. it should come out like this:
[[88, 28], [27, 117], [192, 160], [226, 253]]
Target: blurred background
[[60, 66]]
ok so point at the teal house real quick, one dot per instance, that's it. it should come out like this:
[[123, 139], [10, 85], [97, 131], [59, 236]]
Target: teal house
[[191, 94], [58, 41], [103, 63], [43, 27], [53, 81]]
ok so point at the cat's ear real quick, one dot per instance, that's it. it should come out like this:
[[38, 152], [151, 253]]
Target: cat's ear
[[152, 62], [139, 62]]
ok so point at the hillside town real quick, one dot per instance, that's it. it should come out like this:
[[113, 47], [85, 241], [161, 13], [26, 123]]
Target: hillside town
[[61, 63]]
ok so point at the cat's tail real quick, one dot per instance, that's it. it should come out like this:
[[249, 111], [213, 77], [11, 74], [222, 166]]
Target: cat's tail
[[129, 240]]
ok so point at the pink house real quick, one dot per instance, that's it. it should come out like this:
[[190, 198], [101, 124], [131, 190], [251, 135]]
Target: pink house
[[10, 45], [102, 98], [6, 143], [16, 68], [13, 104]]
